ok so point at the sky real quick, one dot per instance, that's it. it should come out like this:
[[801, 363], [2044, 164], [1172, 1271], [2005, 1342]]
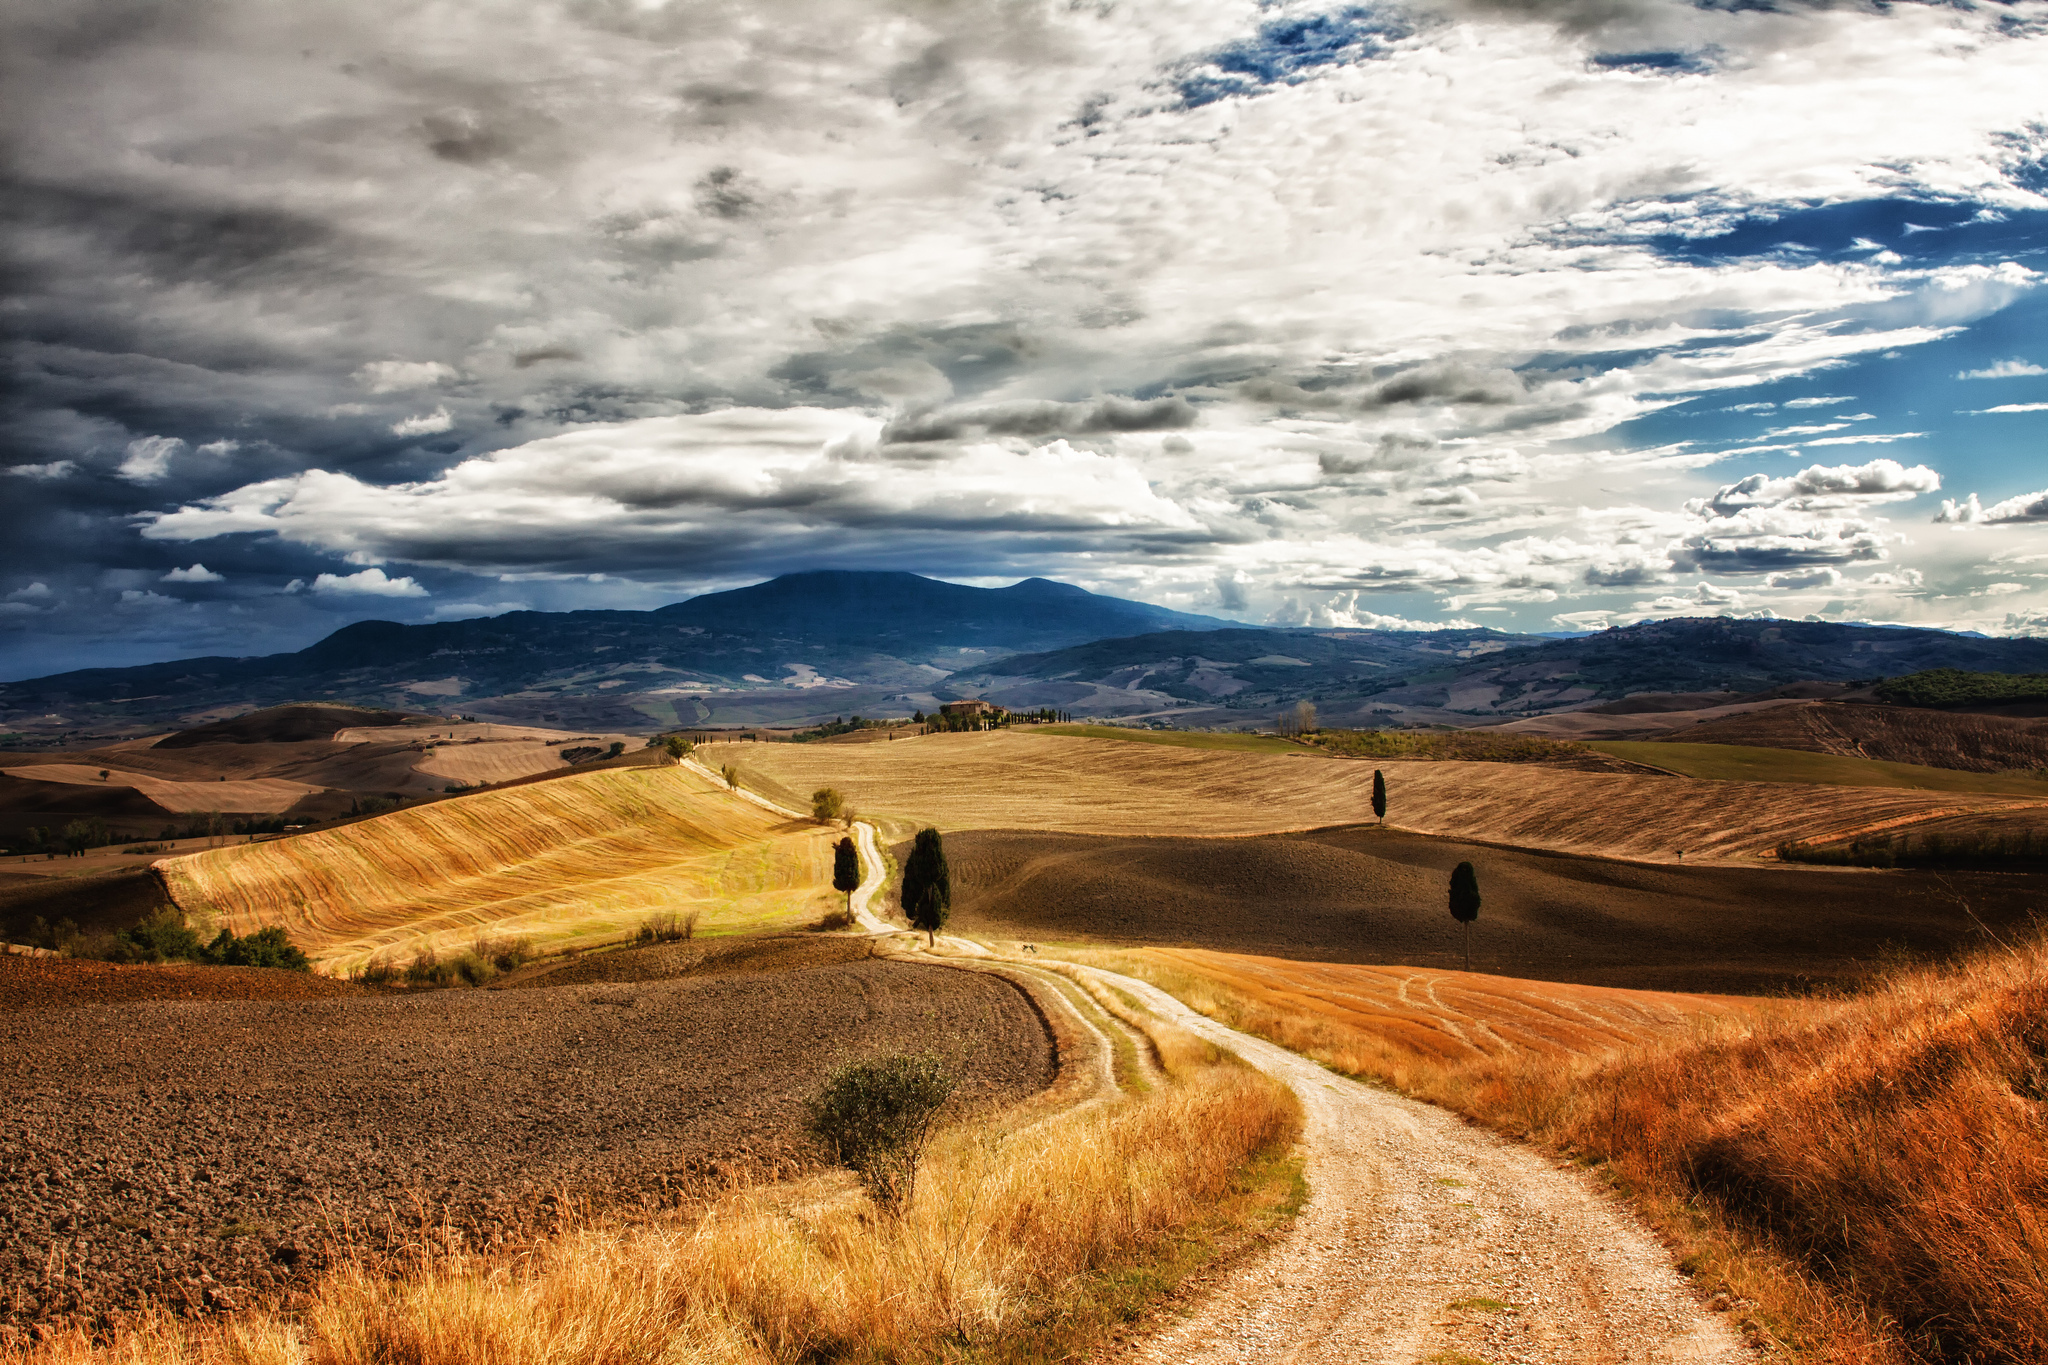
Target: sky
[[1538, 316]]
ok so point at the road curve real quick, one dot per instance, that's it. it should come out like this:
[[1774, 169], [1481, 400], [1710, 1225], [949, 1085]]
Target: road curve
[[1425, 1239]]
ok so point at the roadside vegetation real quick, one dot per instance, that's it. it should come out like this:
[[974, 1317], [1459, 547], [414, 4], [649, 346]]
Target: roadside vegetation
[[1018, 1244], [1988, 849], [1861, 1177], [165, 936]]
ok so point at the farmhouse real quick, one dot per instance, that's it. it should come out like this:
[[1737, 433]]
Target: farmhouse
[[973, 706]]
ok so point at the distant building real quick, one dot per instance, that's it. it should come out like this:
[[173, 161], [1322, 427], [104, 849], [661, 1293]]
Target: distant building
[[973, 706]]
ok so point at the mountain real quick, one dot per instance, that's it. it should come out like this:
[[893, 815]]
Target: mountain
[[1237, 677], [801, 646]]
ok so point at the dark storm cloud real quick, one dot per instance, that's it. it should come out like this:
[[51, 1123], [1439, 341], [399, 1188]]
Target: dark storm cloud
[[1041, 420]]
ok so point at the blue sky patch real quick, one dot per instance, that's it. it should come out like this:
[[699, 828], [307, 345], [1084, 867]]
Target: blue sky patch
[[1923, 231], [1287, 51]]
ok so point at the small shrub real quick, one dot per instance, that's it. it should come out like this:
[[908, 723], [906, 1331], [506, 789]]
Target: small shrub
[[380, 971], [827, 804], [505, 955], [876, 1115], [834, 919], [163, 937], [471, 969], [427, 969], [667, 928], [269, 947]]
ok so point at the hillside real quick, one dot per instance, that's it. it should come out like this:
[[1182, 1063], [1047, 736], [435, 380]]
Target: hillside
[[1363, 678], [585, 857], [800, 646], [1020, 780], [1891, 734]]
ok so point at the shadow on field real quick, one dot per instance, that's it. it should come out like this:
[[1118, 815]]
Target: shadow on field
[[1370, 895]]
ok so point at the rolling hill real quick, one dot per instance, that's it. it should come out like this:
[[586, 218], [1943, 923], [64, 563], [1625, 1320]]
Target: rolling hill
[[581, 858]]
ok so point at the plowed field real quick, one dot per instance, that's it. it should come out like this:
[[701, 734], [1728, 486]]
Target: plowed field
[[582, 857], [264, 795], [1369, 895], [1004, 780]]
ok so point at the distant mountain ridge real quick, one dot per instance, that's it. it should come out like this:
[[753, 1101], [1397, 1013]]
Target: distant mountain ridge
[[844, 631]]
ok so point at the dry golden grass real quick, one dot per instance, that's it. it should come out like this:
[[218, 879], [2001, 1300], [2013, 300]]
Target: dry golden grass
[[581, 858], [1006, 780], [1398, 1024], [1008, 1235], [1867, 1175], [258, 795]]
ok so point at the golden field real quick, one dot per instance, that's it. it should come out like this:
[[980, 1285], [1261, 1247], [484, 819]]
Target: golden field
[[1017, 780], [580, 858]]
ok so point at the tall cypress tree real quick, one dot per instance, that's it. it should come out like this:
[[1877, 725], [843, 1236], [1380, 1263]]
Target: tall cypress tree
[[1379, 795], [846, 871], [927, 885], [1465, 903]]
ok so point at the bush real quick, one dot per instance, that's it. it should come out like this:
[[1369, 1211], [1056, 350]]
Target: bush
[[669, 928], [427, 969], [834, 919], [265, 948], [827, 804], [876, 1115], [163, 937]]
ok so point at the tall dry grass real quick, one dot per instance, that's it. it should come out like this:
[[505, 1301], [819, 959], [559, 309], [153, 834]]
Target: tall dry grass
[[1002, 1236], [1870, 1172]]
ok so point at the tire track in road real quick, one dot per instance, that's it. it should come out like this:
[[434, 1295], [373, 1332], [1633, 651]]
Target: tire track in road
[[1426, 1239]]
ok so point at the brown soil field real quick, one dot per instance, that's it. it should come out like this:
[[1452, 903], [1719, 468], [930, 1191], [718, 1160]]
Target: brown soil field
[[1370, 896], [1892, 734], [34, 983], [578, 858], [1450, 1016], [291, 724], [101, 901], [263, 795], [214, 1153], [1018, 780]]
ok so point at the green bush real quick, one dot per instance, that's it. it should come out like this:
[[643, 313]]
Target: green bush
[[163, 937], [265, 948], [876, 1115]]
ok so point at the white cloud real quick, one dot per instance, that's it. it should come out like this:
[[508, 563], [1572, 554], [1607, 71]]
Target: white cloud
[[198, 573], [220, 449], [1583, 620], [463, 611], [55, 469], [1821, 577], [1341, 612], [2008, 407], [369, 583], [399, 376], [148, 458], [1897, 579], [34, 592], [1818, 402], [1999, 589], [426, 425], [2015, 368], [1820, 487], [2031, 623], [140, 597], [2025, 507], [1870, 439]]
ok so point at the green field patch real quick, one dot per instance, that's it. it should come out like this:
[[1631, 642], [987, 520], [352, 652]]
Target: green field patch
[[1183, 739], [1746, 763]]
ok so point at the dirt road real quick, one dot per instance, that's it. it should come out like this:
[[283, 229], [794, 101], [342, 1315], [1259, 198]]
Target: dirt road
[[1427, 1240]]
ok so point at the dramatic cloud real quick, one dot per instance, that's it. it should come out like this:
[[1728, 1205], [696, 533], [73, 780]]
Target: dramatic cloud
[[197, 573], [2025, 507], [1233, 306]]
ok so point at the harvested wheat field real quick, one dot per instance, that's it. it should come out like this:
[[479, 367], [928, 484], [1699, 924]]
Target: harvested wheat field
[[263, 795], [1363, 894], [1018, 780], [1439, 1017], [582, 858], [482, 762], [214, 1154]]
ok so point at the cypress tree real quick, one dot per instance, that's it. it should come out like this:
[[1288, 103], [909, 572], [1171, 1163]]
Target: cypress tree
[[1379, 795], [1465, 903], [846, 871], [927, 885]]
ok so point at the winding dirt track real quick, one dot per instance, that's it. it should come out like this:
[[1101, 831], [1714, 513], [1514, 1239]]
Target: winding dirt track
[[1424, 1239]]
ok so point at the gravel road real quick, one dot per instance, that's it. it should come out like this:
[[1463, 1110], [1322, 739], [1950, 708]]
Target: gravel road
[[212, 1153], [1426, 1239]]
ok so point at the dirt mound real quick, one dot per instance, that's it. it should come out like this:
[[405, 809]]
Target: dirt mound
[[60, 983], [290, 724], [1891, 734], [211, 1153], [1368, 895]]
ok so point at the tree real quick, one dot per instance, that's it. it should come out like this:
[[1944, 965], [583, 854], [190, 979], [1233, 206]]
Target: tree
[[1465, 903], [618, 747], [1379, 795], [731, 776], [875, 1117], [927, 885], [846, 870], [676, 747], [827, 804]]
